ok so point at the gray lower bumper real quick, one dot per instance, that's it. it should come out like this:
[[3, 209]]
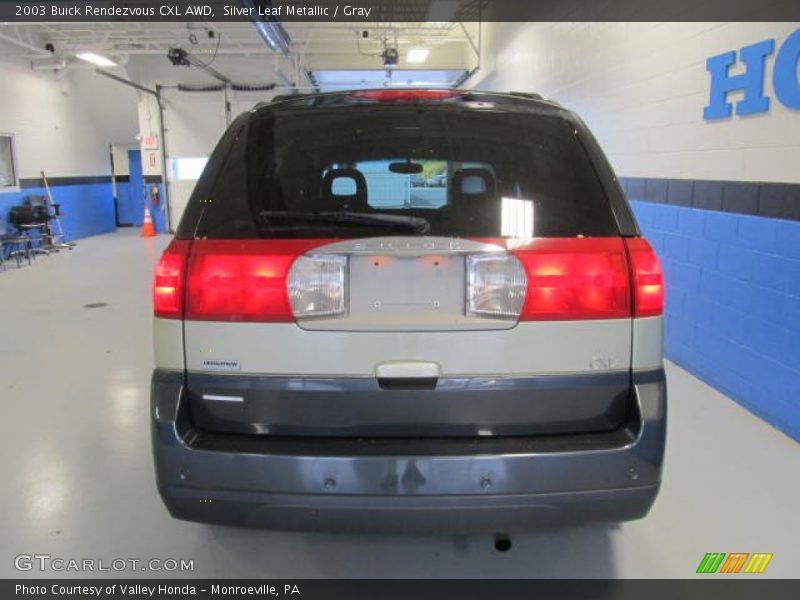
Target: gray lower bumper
[[484, 485]]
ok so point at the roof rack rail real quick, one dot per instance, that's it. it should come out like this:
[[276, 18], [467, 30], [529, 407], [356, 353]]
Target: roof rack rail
[[529, 95]]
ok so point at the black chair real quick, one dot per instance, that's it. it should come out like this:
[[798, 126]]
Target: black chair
[[17, 245], [52, 237], [28, 222]]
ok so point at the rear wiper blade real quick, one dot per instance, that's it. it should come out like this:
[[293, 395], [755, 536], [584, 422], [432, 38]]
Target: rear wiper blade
[[417, 224]]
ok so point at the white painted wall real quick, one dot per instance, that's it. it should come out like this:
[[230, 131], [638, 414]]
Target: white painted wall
[[121, 162], [63, 125], [149, 125], [194, 123], [641, 88]]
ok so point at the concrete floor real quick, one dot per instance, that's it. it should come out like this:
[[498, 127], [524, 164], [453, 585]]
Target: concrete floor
[[78, 480]]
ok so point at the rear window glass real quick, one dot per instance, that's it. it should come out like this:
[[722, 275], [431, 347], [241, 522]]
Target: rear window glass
[[400, 170], [427, 188]]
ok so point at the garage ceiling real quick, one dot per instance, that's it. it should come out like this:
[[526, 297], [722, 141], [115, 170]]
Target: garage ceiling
[[121, 39], [332, 51]]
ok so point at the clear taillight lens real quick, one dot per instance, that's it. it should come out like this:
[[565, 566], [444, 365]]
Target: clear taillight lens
[[316, 286], [496, 286]]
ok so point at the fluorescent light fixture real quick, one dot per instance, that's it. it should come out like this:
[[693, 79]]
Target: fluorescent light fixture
[[96, 59], [417, 55]]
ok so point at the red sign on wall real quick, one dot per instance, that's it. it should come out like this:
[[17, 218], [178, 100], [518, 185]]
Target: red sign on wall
[[150, 142]]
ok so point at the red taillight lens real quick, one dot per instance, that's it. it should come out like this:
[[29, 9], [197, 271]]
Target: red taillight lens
[[242, 280], [168, 281], [648, 279], [404, 95], [575, 278]]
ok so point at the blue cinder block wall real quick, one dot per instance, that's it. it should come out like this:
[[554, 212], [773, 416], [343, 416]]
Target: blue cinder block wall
[[125, 208], [87, 207], [733, 288]]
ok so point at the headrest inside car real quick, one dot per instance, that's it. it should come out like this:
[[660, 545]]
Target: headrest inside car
[[347, 187], [473, 184], [344, 186]]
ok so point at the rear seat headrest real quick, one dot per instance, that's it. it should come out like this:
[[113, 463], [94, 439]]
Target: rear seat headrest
[[348, 201], [473, 183]]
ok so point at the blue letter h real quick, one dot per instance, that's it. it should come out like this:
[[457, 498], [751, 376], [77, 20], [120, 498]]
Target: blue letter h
[[751, 81]]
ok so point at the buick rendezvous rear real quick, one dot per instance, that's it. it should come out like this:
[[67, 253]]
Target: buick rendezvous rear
[[424, 310]]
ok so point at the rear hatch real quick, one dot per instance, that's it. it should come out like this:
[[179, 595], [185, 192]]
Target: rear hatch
[[405, 266]]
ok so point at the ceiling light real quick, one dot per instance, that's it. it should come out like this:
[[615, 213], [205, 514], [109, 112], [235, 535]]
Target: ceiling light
[[96, 59], [417, 55]]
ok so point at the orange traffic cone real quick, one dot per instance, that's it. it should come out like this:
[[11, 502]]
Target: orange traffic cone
[[147, 228]]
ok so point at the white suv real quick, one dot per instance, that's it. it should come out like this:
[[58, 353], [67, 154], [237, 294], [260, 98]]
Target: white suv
[[341, 344]]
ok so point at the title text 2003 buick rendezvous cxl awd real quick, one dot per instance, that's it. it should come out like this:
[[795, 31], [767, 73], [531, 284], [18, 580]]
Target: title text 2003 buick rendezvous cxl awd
[[408, 310]]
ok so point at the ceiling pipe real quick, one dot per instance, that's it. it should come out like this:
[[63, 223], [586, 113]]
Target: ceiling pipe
[[208, 70], [270, 30], [30, 47], [129, 83]]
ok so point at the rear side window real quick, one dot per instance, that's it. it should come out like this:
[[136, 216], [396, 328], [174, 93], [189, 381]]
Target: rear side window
[[399, 170]]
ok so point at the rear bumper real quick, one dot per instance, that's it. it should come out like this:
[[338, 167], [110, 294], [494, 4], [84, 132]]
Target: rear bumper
[[485, 485]]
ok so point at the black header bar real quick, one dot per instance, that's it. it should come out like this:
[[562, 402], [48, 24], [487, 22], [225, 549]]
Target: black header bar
[[382, 11], [730, 587]]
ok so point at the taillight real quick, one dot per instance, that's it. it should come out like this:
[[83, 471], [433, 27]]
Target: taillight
[[247, 280], [317, 286], [495, 286], [575, 278], [168, 281], [648, 279]]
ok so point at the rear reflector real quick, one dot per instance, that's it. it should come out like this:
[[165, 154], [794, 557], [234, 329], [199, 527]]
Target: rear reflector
[[168, 281], [575, 278], [404, 95], [242, 280], [648, 280]]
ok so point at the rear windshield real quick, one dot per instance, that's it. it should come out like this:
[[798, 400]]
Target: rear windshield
[[399, 170]]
